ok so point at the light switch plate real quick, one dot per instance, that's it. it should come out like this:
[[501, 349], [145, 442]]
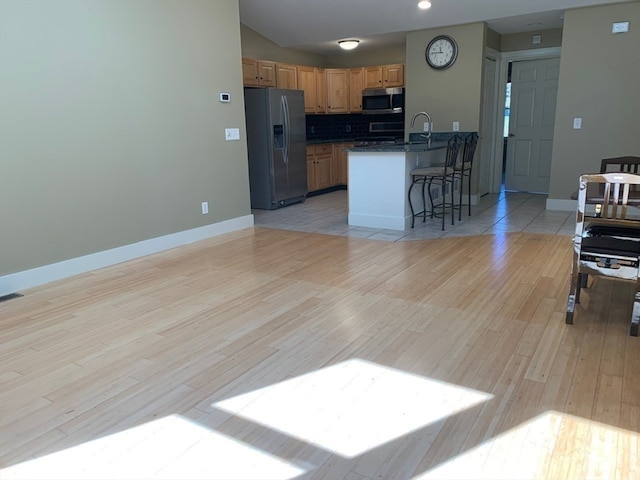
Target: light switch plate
[[232, 134], [620, 27], [577, 123]]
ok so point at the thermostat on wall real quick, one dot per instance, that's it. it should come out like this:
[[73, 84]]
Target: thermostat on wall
[[225, 97]]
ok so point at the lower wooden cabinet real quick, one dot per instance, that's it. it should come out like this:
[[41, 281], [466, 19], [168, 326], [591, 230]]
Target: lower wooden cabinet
[[319, 167], [327, 165]]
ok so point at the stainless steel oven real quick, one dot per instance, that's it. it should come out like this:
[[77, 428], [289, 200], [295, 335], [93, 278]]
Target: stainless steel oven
[[385, 100]]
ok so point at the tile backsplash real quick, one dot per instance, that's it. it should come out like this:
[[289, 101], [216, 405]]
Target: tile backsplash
[[346, 126]]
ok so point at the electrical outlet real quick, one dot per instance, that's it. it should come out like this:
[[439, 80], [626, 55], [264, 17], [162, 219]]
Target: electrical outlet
[[426, 127], [232, 134], [577, 123], [456, 126], [348, 128], [205, 207]]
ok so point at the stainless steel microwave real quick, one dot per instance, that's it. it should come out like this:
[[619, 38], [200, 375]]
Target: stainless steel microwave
[[385, 100]]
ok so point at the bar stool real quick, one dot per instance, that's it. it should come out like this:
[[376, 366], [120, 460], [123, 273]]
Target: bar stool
[[444, 175], [463, 169]]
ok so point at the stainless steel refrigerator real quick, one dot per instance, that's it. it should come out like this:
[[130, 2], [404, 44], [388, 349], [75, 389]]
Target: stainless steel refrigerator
[[276, 143]]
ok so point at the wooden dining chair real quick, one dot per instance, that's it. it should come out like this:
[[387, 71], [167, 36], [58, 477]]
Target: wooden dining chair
[[615, 251], [629, 164]]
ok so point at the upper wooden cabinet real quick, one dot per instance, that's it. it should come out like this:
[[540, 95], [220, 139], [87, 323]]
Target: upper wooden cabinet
[[258, 73], [313, 82], [384, 76], [321, 78], [356, 78], [393, 75], [286, 76], [337, 90], [332, 90]]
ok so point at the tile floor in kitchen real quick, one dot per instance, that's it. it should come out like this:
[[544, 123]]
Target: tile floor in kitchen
[[496, 213]]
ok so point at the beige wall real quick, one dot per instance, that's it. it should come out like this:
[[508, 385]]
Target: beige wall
[[365, 58], [111, 131], [524, 41], [257, 46], [447, 95], [599, 82], [494, 39]]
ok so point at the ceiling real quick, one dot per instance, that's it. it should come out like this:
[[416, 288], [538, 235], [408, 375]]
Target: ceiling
[[316, 25]]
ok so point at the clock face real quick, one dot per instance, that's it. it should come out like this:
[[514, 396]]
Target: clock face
[[441, 52]]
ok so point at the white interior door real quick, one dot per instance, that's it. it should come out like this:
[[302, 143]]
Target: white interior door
[[534, 88], [488, 128]]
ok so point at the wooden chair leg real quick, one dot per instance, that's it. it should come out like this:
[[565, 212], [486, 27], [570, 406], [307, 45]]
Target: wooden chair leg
[[582, 283]]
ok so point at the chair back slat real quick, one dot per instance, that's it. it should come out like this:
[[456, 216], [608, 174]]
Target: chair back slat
[[629, 164], [614, 192]]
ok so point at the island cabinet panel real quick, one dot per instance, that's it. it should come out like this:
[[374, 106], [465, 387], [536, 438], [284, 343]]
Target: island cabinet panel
[[287, 76], [337, 90]]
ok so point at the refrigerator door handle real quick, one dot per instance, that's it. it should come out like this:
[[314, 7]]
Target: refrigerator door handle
[[285, 109]]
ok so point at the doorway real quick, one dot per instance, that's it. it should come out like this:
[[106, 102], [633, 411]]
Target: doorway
[[532, 108], [519, 160]]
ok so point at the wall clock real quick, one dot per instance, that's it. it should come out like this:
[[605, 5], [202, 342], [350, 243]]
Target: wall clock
[[441, 52]]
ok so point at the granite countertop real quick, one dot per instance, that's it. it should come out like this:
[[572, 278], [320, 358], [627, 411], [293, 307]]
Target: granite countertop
[[332, 140], [416, 143], [402, 147]]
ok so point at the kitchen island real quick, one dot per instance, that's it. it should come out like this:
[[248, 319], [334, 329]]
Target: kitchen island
[[379, 179]]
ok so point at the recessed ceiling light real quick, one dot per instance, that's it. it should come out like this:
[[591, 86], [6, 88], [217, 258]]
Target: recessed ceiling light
[[348, 44], [424, 4]]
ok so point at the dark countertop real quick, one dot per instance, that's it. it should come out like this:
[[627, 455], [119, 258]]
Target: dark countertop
[[333, 140], [405, 147], [415, 139]]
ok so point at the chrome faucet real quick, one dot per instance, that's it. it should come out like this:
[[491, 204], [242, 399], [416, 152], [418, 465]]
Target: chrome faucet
[[413, 121]]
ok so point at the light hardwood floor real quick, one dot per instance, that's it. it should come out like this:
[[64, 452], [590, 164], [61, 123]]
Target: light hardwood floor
[[277, 354]]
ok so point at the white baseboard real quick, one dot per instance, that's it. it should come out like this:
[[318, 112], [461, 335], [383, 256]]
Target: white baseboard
[[14, 282], [378, 221], [561, 204]]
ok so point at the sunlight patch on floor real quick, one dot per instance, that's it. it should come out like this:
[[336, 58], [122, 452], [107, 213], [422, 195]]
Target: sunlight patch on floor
[[551, 445], [352, 407], [168, 448]]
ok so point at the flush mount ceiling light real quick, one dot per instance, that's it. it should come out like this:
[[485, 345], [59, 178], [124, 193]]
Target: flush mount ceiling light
[[348, 44], [424, 4]]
